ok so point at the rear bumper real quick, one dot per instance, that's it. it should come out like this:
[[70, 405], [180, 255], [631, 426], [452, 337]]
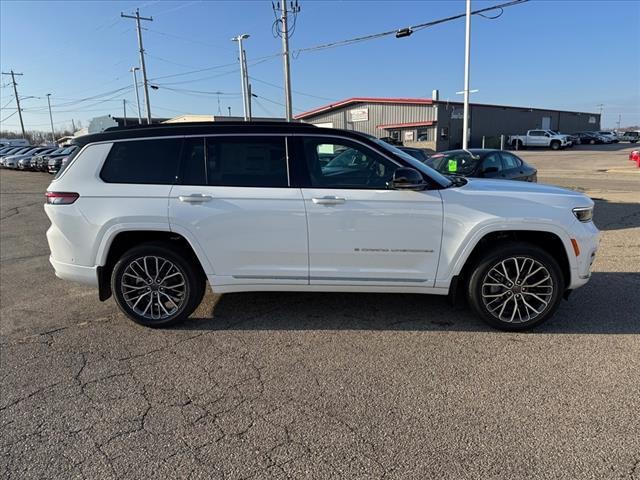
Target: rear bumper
[[75, 273]]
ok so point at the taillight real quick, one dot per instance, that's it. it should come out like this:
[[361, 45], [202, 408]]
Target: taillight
[[61, 198]]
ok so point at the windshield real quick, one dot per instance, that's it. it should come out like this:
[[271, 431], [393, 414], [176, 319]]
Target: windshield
[[417, 164], [456, 163], [67, 150]]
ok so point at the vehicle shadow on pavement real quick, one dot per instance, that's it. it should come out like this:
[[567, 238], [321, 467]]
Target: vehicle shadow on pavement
[[615, 215], [608, 304]]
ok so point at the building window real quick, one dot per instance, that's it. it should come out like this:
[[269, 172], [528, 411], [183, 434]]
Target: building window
[[425, 134]]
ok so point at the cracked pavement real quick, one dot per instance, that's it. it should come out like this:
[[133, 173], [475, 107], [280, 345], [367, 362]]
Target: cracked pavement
[[349, 386]]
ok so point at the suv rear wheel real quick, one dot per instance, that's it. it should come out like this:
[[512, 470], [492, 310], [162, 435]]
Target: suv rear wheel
[[516, 286], [155, 286]]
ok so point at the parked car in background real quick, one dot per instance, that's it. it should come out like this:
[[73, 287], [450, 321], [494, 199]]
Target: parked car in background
[[417, 153], [632, 137], [483, 163], [41, 162], [571, 139], [539, 138], [11, 161], [610, 135], [13, 151], [392, 141], [151, 214], [24, 163], [57, 163], [587, 138]]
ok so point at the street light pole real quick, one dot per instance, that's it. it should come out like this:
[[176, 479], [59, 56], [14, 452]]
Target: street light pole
[[244, 77], [135, 87], [467, 54], [53, 135]]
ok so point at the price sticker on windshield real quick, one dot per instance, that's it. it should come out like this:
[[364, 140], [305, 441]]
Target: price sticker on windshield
[[452, 165]]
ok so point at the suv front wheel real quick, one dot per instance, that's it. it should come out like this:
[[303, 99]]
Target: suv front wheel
[[516, 286], [156, 287]]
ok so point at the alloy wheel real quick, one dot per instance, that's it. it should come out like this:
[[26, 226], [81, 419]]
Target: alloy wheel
[[153, 287], [517, 289]]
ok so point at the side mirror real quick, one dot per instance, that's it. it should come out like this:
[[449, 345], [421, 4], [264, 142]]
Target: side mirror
[[489, 170], [408, 179], [547, 134]]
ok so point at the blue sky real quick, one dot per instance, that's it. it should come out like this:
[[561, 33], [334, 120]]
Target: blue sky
[[560, 54]]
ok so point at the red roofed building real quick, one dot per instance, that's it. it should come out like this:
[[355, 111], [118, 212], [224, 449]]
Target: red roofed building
[[437, 125]]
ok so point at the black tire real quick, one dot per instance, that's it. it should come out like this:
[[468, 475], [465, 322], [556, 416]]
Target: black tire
[[186, 300], [524, 252], [555, 145]]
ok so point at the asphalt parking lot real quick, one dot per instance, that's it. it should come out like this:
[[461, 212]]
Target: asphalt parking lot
[[282, 385]]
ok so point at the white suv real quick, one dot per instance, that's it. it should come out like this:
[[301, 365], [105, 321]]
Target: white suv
[[150, 214]]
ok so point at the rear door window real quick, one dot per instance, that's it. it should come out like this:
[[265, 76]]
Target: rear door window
[[153, 161], [245, 161], [492, 161]]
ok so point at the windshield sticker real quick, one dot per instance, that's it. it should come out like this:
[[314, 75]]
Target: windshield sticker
[[452, 166]]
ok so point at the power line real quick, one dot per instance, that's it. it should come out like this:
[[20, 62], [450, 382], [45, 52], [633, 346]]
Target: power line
[[9, 116], [406, 31], [294, 91]]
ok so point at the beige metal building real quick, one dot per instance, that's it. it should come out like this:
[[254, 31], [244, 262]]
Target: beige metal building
[[437, 125]]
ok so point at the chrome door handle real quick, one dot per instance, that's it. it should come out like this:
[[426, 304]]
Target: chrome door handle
[[195, 198], [328, 200]]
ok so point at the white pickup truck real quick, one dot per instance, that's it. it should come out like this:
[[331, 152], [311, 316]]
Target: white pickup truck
[[539, 138]]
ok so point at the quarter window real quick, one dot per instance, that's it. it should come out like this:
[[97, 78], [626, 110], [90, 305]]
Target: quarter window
[[510, 161], [351, 165], [143, 161]]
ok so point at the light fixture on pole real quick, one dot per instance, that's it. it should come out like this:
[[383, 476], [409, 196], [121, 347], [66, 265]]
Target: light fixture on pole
[[135, 87], [467, 54], [244, 77]]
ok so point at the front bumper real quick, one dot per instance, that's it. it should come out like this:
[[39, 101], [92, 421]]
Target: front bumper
[[587, 237]]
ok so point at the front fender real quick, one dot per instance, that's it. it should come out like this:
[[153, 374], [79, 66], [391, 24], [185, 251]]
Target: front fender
[[456, 251]]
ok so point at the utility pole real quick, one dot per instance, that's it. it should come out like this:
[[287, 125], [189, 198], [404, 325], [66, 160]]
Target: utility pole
[[467, 54], [137, 18], [619, 121], [124, 111], [53, 135], [284, 33], [229, 110], [73, 125], [135, 87], [244, 76], [15, 92]]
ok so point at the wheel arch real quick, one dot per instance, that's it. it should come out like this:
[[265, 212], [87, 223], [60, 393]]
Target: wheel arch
[[122, 240], [552, 242]]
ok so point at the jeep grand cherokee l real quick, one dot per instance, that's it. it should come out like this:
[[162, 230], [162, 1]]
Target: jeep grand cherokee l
[[150, 214]]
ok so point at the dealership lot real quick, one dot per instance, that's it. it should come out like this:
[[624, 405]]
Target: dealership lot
[[281, 385]]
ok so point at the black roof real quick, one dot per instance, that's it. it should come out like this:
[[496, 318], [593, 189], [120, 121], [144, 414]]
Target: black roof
[[204, 128]]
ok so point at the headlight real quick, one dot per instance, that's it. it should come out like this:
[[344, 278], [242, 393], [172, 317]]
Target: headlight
[[584, 214]]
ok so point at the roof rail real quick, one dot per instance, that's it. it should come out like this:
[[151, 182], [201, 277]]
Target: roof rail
[[221, 123]]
